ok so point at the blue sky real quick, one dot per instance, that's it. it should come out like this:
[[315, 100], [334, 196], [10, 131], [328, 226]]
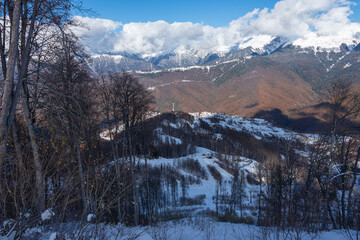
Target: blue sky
[[133, 26], [215, 13]]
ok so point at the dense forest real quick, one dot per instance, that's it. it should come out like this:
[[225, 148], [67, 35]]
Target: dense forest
[[81, 146]]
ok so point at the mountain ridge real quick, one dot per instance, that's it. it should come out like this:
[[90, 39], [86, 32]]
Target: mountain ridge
[[183, 57]]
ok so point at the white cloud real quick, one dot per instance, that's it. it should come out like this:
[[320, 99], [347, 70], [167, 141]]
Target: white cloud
[[157, 37], [298, 17], [99, 34], [333, 21], [306, 20]]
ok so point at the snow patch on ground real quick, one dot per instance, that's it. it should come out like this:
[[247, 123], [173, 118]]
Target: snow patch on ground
[[198, 115], [167, 139], [347, 65], [53, 236], [47, 215], [90, 217], [205, 68], [259, 128]]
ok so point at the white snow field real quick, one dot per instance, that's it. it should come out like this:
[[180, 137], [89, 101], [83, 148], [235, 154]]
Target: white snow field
[[189, 229]]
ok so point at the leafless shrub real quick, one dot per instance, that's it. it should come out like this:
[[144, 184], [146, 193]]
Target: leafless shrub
[[208, 230], [161, 232], [215, 173], [350, 234], [193, 167]]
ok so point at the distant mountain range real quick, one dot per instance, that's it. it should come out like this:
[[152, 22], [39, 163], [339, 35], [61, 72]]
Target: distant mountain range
[[190, 57], [279, 75]]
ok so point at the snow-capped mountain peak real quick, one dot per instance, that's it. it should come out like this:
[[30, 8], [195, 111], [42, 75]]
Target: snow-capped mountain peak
[[255, 45], [323, 42], [275, 44]]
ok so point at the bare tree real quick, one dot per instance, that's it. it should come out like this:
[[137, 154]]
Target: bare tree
[[344, 102], [130, 103], [22, 17], [68, 104], [125, 104], [21, 31]]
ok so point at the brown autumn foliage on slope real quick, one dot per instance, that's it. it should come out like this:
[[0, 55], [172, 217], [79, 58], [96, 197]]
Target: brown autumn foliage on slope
[[258, 88]]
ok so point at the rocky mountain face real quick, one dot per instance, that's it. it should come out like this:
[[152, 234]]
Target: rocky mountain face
[[188, 57], [118, 63]]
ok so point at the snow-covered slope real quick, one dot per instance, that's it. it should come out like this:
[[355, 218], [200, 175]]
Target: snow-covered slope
[[194, 229], [201, 172], [326, 42], [259, 128], [179, 58]]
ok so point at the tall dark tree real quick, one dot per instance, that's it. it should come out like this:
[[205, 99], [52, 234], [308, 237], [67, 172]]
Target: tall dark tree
[[344, 101], [127, 103], [69, 105], [21, 22]]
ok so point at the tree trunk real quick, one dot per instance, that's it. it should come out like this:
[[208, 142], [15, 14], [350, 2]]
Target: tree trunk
[[11, 95], [82, 178], [20, 166], [328, 177], [39, 181], [9, 81], [349, 207], [133, 181], [309, 180], [148, 208], [260, 192]]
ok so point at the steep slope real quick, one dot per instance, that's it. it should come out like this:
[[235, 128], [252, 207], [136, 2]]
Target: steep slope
[[347, 67]]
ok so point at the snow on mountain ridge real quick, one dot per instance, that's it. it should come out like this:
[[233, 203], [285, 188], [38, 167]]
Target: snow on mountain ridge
[[180, 57], [182, 69], [264, 43], [275, 44], [183, 58], [324, 43], [257, 42]]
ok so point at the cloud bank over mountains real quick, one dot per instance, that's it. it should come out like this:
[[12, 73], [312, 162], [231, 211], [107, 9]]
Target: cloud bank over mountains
[[323, 23]]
